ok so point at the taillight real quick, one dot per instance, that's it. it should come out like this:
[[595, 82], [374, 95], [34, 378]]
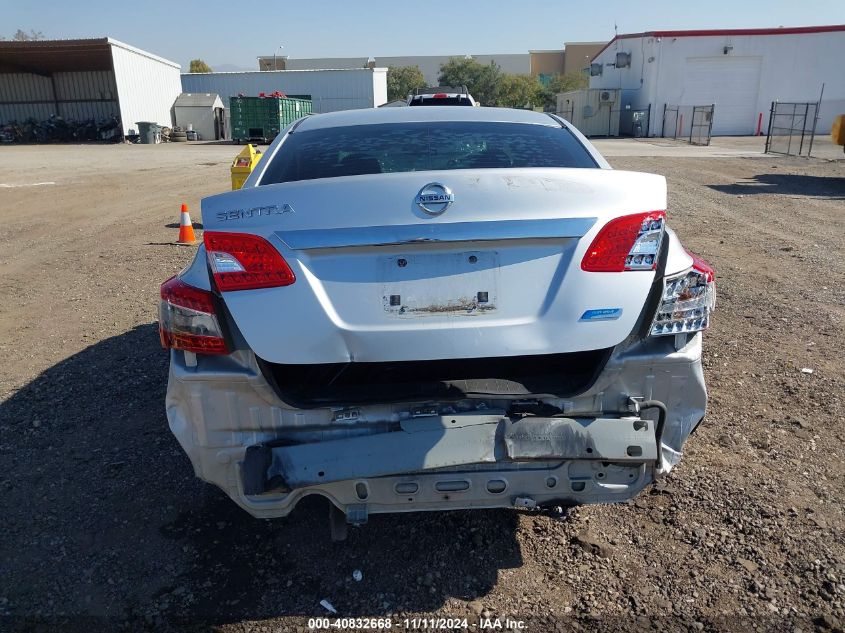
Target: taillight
[[688, 299], [187, 320], [631, 242], [702, 266], [242, 261]]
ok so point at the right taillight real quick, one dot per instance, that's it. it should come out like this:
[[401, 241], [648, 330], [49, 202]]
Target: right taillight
[[187, 319], [688, 299], [243, 261], [630, 242]]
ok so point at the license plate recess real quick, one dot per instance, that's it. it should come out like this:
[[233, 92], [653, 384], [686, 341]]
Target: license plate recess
[[417, 285]]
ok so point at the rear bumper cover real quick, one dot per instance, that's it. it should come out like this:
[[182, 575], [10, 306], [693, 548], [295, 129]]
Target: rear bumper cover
[[267, 456]]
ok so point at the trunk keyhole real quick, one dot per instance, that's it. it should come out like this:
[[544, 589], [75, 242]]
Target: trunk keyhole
[[402, 262]]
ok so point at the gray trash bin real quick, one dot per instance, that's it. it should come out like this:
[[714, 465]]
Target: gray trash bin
[[150, 133]]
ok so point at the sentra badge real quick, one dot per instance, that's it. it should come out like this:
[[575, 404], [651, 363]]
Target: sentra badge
[[254, 212]]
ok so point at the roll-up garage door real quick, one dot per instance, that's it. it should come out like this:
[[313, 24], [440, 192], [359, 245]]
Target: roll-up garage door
[[732, 83]]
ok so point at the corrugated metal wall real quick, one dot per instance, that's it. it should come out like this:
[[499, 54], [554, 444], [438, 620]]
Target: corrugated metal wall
[[79, 96], [330, 90], [146, 85], [589, 112]]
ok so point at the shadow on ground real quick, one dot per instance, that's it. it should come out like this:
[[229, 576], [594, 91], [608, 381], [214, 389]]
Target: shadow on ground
[[788, 184], [105, 519], [226, 142], [176, 225]]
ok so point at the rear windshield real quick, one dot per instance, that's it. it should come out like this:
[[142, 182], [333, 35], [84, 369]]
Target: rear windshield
[[440, 101], [401, 147]]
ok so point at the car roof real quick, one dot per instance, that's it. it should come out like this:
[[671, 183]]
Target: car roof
[[423, 115]]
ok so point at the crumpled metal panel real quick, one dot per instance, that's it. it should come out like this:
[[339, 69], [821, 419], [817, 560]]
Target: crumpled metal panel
[[422, 444], [611, 439], [434, 442]]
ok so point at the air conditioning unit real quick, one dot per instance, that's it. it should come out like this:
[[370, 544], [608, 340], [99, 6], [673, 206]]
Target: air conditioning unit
[[595, 70], [607, 96], [623, 60]]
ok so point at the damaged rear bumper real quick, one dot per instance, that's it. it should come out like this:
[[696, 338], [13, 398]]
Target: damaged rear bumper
[[390, 458]]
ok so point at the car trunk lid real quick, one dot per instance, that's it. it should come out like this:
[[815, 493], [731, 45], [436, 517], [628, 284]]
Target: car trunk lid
[[496, 274]]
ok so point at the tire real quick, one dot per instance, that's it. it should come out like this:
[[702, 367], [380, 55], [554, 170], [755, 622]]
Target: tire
[[178, 137]]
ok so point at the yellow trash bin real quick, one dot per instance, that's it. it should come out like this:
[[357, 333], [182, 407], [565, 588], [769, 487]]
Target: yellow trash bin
[[243, 165], [837, 133]]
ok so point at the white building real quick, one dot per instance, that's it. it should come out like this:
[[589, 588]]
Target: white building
[[80, 80], [328, 90], [741, 71], [202, 112]]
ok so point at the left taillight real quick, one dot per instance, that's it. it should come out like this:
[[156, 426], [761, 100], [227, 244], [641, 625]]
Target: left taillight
[[243, 261], [188, 321]]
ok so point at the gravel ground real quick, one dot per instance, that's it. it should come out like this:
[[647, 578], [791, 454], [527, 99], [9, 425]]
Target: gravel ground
[[105, 527]]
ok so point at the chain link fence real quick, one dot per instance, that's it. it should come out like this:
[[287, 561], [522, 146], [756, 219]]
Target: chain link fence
[[701, 126], [672, 121], [792, 128], [693, 124]]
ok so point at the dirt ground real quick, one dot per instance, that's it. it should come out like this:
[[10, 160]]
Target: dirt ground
[[104, 526]]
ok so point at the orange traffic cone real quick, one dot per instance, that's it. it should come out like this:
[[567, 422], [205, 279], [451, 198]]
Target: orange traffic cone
[[186, 227]]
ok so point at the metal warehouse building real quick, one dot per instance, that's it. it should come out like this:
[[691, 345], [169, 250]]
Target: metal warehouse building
[[329, 90], [86, 79], [740, 71]]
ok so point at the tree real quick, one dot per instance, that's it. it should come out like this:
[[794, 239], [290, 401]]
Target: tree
[[574, 80], [22, 36], [481, 80], [459, 71], [486, 87], [199, 66], [402, 80], [519, 91]]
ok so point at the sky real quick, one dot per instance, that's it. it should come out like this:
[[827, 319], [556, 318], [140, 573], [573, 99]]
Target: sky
[[234, 33]]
